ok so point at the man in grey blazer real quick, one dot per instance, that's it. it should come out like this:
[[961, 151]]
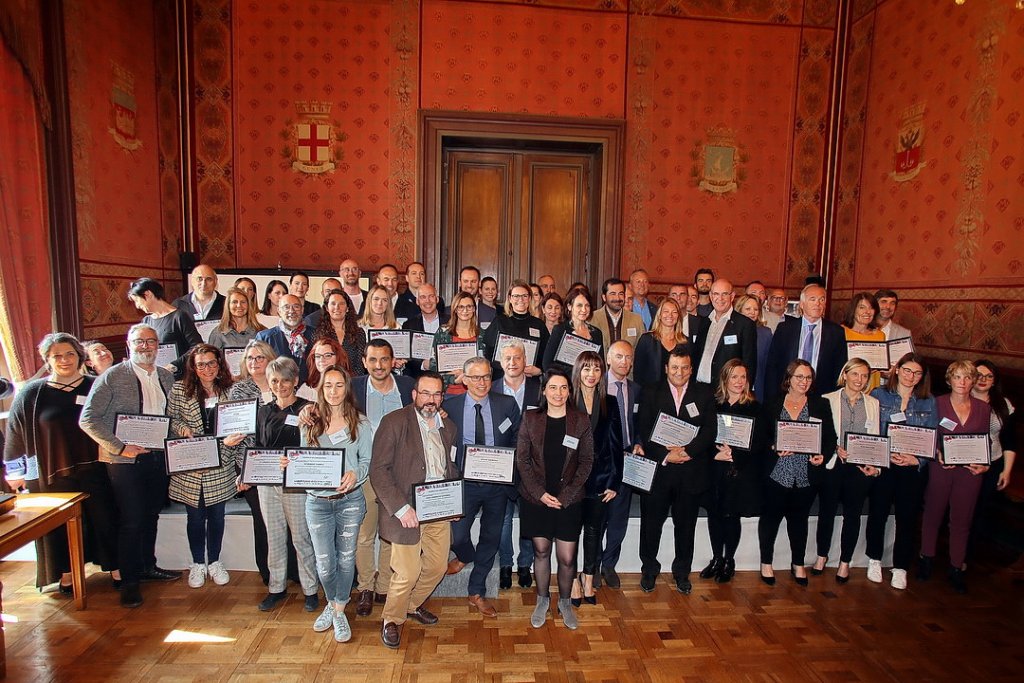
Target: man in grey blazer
[[135, 386], [412, 446]]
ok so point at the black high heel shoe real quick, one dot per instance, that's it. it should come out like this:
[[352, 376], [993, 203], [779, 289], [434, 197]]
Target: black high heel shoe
[[800, 580], [768, 580], [843, 579], [816, 571], [66, 590]]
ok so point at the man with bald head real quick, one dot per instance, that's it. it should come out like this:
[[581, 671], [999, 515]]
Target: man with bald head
[[723, 335], [810, 337], [775, 308], [349, 273], [428, 318], [205, 302], [292, 337], [640, 284]]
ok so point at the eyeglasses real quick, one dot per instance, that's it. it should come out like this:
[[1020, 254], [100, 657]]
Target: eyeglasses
[[986, 376], [802, 378], [291, 307], [465, 308], [915, 373], [255, 359], [430, 394], [145, 342], [324, 356], [518, 296], [206, 364], [477, 378]]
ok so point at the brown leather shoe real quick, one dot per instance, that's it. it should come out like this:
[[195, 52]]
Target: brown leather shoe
[[484, 605], [423, 615], [391, 635], [455, 565], [365, 604], [380, 598]]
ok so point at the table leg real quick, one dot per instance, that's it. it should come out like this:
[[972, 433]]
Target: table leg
[[76, 549]]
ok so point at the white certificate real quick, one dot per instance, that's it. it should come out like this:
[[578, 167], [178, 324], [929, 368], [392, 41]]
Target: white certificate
[[916, 441], [671, 431], [451, 357], [422, 345], [205, 327], [798, 437], [867, 449], [735, 430], [236, 417], [166, 354], [262, 467], [490, 464], [875, 353], [147, 431], [234, 358], [638, 471], [572, 346], [530, 345], [314, 468], [966, 449], [438, 500], [196, 453], [400, 341], [899, 348]]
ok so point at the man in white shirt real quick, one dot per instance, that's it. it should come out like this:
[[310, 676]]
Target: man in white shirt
[[888, 300], [205, 302], [722, 336]]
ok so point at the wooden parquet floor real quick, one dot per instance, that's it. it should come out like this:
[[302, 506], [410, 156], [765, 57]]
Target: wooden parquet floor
[[743, 631]]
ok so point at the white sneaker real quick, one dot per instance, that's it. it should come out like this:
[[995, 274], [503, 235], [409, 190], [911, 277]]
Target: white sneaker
[[196, 575], [899, 579], [874, 571], [342, 631], [218, 573], [325, 620]]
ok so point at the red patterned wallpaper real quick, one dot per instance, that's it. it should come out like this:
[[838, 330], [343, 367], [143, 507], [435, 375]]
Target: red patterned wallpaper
[[332, 52], [481, 57], [739, 78]]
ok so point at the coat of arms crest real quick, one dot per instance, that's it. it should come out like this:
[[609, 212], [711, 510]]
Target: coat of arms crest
[[907, 162], [314, 140]]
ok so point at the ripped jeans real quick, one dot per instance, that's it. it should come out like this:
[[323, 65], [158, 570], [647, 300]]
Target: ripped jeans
[[334, 529]]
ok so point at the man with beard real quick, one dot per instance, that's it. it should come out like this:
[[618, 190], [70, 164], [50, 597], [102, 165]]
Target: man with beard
[[412, 446], [292, 336], [702, 280], [138, 476], [349, 273], [614, 322]]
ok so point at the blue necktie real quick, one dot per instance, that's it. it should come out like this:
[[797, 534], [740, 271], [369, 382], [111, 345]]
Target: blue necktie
[[807, 353], [623, 415]]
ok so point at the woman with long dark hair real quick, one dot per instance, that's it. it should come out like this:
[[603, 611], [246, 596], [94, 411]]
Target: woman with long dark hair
[[577, 323], [272, 296], [461, 327], [338, 322]]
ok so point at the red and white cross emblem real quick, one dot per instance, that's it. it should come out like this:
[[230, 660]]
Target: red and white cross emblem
[[314, 142]]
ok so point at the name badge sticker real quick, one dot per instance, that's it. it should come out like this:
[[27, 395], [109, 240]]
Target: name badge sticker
[[898, 417], [691, 409], [80, 400], [636, 407], [630, 331], [451, 454], [336, 437], [534, 332], [197, 316], [503, 427], [211, 402], [292, 420], [814, 419], [731, 339], [948, 424], [570, 442]]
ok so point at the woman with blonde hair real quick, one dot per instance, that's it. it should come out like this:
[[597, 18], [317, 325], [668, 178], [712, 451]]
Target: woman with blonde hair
[[750, 306], [238, 324], [653, 348]]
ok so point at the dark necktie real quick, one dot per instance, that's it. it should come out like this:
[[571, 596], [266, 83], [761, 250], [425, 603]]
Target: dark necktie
[[481, 433], [623, 415], [807, 353]]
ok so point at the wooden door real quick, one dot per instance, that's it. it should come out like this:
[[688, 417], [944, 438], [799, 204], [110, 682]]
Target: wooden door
[[518, 215]]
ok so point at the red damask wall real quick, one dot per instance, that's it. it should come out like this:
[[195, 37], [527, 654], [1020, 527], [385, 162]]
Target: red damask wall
[[948, 239]]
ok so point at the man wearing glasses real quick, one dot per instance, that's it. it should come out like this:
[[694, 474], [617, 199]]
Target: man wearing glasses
[[136, 386], [291, 337], [481, 418], [722, 336]]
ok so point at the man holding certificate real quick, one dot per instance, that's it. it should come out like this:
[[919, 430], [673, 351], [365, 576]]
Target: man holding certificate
[[133, 387], [684, 473], [489, 420], [410, 447]]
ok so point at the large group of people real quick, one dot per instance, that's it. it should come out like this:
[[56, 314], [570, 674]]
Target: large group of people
[[575, 391]]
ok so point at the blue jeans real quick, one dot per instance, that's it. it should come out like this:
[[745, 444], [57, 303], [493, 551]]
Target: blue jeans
[[505, 545], [334, 530], [205, 530]]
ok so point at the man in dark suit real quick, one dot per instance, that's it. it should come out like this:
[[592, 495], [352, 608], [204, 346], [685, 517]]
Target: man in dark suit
[[429, 318], [722, 336], [684, 472], [820, 342], [481, 418], [627, 394], [377, 393], [411, 447], [205, 302]]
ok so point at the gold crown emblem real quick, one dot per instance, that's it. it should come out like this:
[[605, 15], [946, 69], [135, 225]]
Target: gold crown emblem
[[313, 109]]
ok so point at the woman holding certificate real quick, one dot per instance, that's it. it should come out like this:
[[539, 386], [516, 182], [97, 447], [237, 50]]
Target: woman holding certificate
[[653, 347], [577, 308], [554, 456], [334, 515], [238, 324], [956, 486], [734, 490], [853, 412], [590, 396], [517, 322], [252, 383], [799, 427], [461, 328], [904, 402], [43, 426], [277, 427], [338, 322], [859, 326], [192, 407]]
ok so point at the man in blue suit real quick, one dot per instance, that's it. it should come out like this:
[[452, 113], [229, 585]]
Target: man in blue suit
[[486, 419], [820, 342]]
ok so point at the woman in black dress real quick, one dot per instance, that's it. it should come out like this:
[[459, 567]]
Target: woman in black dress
[[554, 455], [47, 451], [734, 481]]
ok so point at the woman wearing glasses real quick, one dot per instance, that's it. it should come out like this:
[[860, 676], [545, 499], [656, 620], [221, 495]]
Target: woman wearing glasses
[[192, 407], [462, 327], [517, 322], [322, 354]]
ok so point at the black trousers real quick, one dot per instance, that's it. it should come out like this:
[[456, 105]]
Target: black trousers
[[259, 533], [793, 504], [616, 523], [668, 496], [897, 490], [829, 491], [594, 513], [140, 489]]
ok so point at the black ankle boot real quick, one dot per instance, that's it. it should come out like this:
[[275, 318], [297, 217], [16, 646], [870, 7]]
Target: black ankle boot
[[711, 571], [924, 568], [727, 572], [957, 580]]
